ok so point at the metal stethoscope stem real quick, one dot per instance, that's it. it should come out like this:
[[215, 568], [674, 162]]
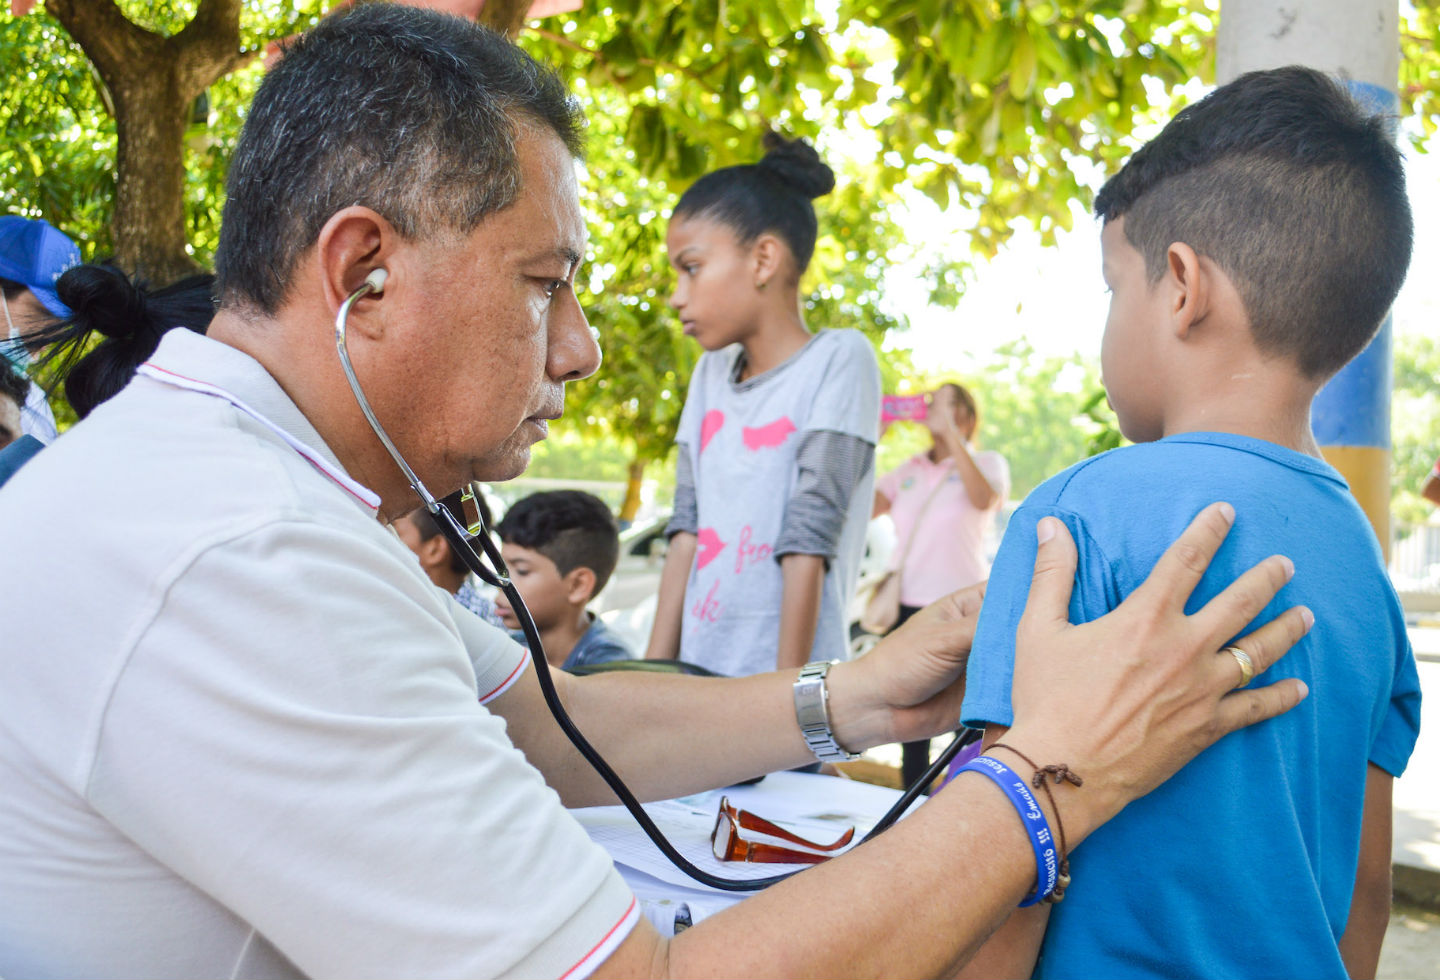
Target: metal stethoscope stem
[[464, 540]]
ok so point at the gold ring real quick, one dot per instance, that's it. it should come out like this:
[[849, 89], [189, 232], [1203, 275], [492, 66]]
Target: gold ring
[[1247, 666]]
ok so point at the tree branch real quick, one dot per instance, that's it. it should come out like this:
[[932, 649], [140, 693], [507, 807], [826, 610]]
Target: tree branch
[[209, 46], [110, 39], [698, 78], [505, 16]]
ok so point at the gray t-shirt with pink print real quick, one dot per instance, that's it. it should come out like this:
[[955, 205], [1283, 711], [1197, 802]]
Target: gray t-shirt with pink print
[[751, 447]]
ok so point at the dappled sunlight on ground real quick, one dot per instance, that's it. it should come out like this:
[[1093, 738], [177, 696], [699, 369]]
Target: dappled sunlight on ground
[[1412, 945]]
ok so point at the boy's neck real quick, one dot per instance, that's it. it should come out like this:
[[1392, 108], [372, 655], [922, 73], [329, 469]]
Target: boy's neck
[[1270, 403], [561, 638]]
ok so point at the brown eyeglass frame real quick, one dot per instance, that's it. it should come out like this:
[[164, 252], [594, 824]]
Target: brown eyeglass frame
[[731, 820]]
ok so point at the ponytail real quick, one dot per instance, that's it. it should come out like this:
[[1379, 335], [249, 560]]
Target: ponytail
[[129, 320]]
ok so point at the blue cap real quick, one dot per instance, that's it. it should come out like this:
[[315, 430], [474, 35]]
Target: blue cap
[[33, 252]]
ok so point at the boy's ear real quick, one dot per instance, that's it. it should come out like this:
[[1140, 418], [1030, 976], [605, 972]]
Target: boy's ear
[[1188, 281], [579, 585], [434, 552]]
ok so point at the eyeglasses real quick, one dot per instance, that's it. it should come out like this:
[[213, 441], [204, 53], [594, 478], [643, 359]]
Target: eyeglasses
[[735, 839]]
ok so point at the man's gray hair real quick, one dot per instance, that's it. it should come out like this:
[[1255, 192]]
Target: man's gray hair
[[409, 112]]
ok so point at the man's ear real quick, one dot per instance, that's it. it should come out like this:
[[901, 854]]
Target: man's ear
[[352, 244], [579, 585], [1187, 279]]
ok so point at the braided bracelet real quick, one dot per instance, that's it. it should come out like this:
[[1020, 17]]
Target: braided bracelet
[[1031, 816], [1060, 773]]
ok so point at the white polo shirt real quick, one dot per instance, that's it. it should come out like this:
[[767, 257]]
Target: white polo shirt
[[239, 731]]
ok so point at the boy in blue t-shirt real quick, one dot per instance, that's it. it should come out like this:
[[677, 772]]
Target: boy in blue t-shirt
[[561, 547], [1251, 250]]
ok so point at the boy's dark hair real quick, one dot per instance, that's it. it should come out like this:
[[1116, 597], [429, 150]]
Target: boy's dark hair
[[428, 527], [127, 317], [409, 112], [770, 196], [572, 528], [1296, 192]]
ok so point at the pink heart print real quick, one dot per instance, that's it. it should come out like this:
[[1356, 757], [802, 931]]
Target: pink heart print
[[708, 548], [713, 422]]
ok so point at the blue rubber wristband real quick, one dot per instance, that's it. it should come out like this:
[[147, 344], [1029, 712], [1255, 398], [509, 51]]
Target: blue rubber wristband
[[1047, 865]]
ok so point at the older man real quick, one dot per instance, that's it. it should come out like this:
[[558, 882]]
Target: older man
[[251, 745]]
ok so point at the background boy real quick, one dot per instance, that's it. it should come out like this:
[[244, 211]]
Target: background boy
[[444, 566], [1251, 250], [561, 547]]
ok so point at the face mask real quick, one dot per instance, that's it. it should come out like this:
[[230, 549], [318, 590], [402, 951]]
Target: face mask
[[15, 351]]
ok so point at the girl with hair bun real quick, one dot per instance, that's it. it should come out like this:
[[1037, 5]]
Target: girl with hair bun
[[777, 438], [129, 318]]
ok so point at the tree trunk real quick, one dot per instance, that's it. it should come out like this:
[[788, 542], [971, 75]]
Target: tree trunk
[[153, 80], [631, 506], [149, 217]]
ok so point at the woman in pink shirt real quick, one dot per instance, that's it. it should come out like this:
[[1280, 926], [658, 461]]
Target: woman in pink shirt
[[1430, 489], [952, 492]]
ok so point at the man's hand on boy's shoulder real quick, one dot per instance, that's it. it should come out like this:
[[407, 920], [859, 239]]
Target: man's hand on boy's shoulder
[[916, 670]]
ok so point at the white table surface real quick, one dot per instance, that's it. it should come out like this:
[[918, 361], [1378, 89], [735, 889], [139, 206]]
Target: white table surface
[[814, 806]]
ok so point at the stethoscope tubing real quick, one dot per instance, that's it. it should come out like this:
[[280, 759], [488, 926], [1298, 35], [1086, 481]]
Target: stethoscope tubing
[[497, 575]]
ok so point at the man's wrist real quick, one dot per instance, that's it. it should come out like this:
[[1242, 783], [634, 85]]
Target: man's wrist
[[1082, 808], [854, 717]]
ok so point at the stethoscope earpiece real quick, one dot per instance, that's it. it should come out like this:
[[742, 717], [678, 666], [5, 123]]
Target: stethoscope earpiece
[[376, 280]]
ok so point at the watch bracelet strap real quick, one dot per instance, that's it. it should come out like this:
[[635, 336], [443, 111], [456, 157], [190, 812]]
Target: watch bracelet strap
[[812, 713]]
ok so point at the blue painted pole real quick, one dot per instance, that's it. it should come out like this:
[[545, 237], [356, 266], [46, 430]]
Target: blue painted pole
[[1358, 40]]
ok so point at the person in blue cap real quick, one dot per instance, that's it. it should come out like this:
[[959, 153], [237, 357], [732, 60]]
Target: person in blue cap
[[33, 254], [113, 325]]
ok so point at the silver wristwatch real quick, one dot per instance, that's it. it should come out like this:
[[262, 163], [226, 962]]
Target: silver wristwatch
[[812, 713]]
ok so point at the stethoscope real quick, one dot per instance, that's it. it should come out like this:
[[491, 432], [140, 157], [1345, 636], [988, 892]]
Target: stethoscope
[[464, 539]]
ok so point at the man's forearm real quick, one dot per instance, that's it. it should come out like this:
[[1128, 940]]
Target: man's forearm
[[966, 861], [674, 734], [666, 735], [917, 901]]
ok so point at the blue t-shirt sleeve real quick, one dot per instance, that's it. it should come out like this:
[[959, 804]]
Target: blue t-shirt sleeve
[[1401, 726], [992, 657]]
